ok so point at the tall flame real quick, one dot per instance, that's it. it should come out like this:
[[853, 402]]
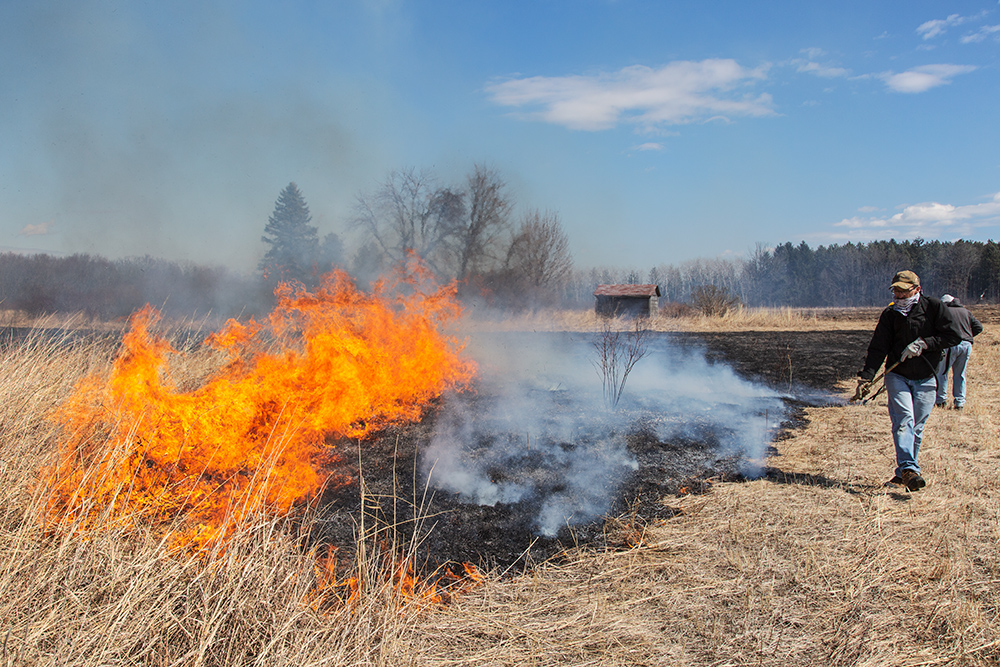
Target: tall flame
[[332, 362]]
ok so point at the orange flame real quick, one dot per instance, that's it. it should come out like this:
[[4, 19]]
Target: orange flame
[[251, 439], [395, 579]]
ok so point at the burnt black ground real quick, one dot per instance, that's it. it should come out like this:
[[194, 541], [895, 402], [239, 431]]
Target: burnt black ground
[[802, 365], [783, 359]]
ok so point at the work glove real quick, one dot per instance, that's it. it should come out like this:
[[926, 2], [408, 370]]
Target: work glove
[[914, 349], [864, 387]]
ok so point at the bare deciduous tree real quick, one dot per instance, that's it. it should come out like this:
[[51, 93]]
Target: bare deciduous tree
[[539, 252], [475, 241], [407, 214]]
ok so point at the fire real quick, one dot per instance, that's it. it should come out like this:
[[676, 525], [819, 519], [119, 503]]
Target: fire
[[251, 439], [393, 579]]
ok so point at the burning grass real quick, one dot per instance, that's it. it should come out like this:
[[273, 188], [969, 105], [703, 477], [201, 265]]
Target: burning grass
[[140, 450], [815, 563]]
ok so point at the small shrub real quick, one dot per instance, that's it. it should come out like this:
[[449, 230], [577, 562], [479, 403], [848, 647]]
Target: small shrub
[[713, 301]]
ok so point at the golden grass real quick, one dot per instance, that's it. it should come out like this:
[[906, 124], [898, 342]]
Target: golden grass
[[816, 564], [739, 319]]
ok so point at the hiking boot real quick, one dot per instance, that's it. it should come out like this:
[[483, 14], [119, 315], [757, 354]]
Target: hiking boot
[[913, 480], [941, 405], [959, 407], [897, 480]]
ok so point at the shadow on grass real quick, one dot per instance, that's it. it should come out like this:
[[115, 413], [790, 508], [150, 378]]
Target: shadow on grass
[[781, 477]]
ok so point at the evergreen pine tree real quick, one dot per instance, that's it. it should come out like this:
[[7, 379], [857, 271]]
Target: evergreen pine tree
[[294, 243]]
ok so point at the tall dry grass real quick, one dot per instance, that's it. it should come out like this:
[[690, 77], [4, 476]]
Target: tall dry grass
[[817, 563], [738, 319], [106, 595]]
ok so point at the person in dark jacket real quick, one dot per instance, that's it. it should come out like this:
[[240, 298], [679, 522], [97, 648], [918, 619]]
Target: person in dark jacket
[[956, 358], [910, 336]]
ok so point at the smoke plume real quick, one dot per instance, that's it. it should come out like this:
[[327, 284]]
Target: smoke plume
[[538, 430]]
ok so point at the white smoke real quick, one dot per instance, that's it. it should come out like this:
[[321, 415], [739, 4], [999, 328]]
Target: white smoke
[[537, 429]]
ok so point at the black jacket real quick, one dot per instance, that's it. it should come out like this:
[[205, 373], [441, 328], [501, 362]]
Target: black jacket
[[928, 319], [968, 326]]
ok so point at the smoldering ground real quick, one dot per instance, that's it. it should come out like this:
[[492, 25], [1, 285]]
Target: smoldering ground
[[539, 431]]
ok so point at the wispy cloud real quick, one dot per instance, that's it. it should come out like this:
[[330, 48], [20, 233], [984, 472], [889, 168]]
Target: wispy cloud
[[650, 98], [825, 71], [649, 146], [931, 29], [923, 78], [981, 34], [925, 220], [41, 229], [936, 27], [809, 65]]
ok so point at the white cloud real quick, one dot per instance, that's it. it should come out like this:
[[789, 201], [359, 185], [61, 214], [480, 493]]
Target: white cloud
[[41, 229], [925, 220], [679, 92], [931, 29], [649, 146], [923, 78], [825, 71], [982, 33]]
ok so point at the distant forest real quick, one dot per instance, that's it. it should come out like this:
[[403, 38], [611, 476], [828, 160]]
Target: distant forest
[[828, 276], [787, 275], [103, 288]]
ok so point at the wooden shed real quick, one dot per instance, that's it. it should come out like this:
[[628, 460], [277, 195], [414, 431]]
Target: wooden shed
[[626, 300]]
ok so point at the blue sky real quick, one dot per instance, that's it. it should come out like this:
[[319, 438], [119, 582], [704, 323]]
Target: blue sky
[[659, 132]]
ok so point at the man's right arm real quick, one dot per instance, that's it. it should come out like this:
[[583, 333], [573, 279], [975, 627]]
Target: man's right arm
[[878, 348]]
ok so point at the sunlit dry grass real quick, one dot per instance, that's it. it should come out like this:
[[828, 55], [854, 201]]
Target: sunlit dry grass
[[818, 563], [738, 319]]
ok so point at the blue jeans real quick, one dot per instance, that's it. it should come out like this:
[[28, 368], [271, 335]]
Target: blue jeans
[[955, 359], [910, 403]]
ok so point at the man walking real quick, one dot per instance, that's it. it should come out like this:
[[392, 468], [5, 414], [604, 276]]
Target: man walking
[[910, 336], [956, 358]]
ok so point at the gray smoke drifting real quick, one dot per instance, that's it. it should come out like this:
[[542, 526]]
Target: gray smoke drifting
[[538, 431]]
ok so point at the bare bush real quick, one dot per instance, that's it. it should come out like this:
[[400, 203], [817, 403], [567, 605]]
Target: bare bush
[[617, 354], [713, 301]]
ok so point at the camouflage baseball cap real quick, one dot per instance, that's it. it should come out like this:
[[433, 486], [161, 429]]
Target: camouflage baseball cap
[[905, 280]]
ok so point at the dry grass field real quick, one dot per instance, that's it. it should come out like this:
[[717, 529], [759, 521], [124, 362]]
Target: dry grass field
[[816, 563]]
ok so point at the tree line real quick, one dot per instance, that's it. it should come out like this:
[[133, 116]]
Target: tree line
[[109, 289], [468, 232], [465, 232], [848, 275]]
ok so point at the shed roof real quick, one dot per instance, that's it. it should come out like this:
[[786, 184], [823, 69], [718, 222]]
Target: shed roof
[[627, 290]]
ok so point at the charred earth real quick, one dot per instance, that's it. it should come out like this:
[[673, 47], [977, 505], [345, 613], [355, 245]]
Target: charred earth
[[532, 463]]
